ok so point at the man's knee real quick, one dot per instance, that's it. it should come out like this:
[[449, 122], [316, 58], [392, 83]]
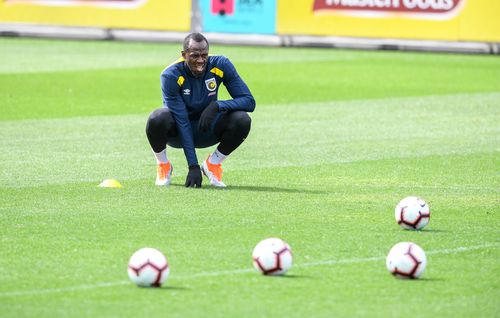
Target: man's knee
[[159, 117], [160, 121], [233, 125], [242, 122]]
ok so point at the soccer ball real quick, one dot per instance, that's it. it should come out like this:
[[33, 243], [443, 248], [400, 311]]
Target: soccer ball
[[272, 256], [148, 267], [412, 213], [406, 260]]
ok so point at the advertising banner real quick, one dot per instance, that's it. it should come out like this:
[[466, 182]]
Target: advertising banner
[[438, 9], [239, 16], [128, 14], [454, 20]]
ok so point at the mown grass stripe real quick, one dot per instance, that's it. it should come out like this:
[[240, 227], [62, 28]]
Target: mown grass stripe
[[32, 292]]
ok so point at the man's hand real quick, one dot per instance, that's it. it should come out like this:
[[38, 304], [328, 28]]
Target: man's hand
[[193, 178], [208, 116]]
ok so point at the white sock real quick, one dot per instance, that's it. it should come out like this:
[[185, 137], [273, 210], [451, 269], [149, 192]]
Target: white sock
[[161, 157], [216, 157]]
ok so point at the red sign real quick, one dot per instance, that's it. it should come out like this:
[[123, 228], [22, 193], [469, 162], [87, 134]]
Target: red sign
[[395, 6], [222, 7]]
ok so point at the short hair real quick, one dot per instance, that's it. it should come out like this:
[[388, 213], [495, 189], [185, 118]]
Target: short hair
[[196, 37]]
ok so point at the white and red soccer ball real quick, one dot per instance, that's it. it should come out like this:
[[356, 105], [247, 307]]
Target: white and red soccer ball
[[272, 256], [406, 260], [148, 267], [412, 213]]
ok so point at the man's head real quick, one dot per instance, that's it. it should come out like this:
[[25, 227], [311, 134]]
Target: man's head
[[195, 53]]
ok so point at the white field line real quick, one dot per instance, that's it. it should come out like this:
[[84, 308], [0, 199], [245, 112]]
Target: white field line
[[236, 271]]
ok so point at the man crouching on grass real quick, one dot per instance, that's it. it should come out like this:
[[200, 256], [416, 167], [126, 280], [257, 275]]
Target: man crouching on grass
[[192, 117]]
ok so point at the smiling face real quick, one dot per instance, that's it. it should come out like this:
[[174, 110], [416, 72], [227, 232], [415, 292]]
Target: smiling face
[[196, 57]]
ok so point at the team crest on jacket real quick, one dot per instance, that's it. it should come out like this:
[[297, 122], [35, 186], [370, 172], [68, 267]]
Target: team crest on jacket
[[211, 84]]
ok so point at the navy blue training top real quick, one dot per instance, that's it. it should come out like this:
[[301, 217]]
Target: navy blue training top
[[187, 96]]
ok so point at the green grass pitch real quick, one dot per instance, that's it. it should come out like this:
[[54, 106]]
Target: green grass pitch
[[338, 138]]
